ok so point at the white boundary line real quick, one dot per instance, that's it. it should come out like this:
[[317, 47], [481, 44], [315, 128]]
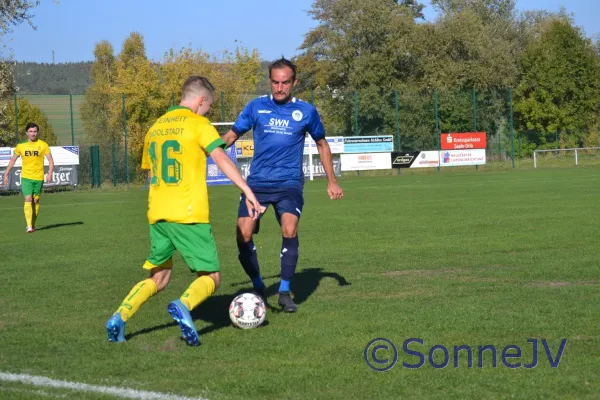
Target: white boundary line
[[41, 381]]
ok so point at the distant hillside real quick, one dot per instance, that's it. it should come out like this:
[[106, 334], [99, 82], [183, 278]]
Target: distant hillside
[[67, 78], [74, 78]]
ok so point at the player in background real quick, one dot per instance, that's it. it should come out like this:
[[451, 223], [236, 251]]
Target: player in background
[[279, 123], [175, 151], [32, 152]]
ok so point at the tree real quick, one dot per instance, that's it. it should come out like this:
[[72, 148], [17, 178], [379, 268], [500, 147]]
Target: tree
[[137, 78], [234, 76], [29, 113], [96, 111], [12, 13], [357, 55], [560, 86]]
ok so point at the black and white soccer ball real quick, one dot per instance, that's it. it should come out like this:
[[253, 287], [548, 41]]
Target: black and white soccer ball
[[247, 311]]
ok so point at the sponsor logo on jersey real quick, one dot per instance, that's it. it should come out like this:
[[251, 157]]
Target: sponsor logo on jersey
[[279, 122]]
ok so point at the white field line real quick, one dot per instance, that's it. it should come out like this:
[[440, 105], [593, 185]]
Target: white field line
[[41, 381]]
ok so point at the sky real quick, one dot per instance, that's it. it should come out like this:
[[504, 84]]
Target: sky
[[71, 28]]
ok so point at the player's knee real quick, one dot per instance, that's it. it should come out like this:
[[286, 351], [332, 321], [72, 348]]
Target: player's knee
[[216, 277], [289, 232], [244, 232], [161, 278]]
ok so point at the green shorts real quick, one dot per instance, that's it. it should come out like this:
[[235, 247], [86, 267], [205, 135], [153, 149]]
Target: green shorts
[[194, 242], [31, 187]]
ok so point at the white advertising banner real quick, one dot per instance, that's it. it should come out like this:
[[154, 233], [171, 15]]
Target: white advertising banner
[[449, 158], [426, 159], [336, 144], [455, 158], [62, 155], [366, 161]]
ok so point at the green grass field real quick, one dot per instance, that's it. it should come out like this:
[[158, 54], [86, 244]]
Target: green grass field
[[453, 258]]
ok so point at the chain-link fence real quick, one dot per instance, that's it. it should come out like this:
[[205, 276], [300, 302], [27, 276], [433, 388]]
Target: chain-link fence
[[116, 123]]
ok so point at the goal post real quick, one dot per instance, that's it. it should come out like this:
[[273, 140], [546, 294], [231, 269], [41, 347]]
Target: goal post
[[566, 155]]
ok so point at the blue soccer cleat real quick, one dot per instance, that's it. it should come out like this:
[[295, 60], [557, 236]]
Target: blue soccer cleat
[[182, 316], [115, 328]]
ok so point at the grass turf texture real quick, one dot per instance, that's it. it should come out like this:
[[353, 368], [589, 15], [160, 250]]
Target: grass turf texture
[[465, 257]]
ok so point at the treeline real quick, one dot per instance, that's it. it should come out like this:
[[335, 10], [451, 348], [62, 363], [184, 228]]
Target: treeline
[[128, 91], [375, 62], [42, 78], [376, 67]]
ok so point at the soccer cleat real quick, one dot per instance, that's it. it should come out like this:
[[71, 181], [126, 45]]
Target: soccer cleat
[[260, 292], [30, 229], [286, 302], [182, 316], [115, 328]]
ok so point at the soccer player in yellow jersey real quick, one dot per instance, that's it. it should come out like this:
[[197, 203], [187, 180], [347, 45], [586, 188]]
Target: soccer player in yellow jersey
[[175, 152], [32, 153]]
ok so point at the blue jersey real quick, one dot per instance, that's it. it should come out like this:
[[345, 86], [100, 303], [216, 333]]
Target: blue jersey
[[279, 131]]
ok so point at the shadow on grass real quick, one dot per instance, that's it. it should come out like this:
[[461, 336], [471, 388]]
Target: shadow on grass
[[215, 310], [304, 283], [59, 225]]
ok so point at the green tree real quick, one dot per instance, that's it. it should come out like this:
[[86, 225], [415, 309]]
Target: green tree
[[559, 92], [137, 79], [101, 99], [235, 75], [29, 113], [12, 13], [356, 56]]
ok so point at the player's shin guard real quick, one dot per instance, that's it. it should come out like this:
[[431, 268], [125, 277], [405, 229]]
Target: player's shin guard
[[36, 211], [289, 260], [138, 296], [249, 260], [28, 210], [200, 290]]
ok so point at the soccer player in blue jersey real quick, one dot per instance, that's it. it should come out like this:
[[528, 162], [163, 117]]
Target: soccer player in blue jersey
[[279, 123]]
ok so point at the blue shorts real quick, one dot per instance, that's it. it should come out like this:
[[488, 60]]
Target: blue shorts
[[284, 200]]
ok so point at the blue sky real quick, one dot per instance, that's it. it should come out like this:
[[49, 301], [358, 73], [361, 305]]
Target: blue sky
[[273, 27]]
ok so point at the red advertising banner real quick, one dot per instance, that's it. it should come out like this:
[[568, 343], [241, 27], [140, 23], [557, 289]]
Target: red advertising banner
[[463, 141]]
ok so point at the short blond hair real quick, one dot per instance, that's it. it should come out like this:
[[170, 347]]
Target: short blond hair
[[195, 86]]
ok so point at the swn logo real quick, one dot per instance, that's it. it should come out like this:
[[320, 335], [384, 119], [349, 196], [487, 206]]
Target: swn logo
[[32, 153], [279, 122]]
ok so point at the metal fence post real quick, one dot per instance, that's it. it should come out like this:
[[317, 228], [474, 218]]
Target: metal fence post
[[125, 134], [397, 104], [16, 120], [512, 126], [474, 110], [72, 124], [114, 165], [355, 113], [475, 116], [437, 125]]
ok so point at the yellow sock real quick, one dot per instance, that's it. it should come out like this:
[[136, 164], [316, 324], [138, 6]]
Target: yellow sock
[[28, 213], [138, 296], [200, 290], [36, 211]]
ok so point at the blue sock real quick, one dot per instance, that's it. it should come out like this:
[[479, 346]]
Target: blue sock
[[249, 261], [258, 282], [289, 260], [284, 286]]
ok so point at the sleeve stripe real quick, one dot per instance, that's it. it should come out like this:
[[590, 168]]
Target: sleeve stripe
[[237, 131], [217, 143]]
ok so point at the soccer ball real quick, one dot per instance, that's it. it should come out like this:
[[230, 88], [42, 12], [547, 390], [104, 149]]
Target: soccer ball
[[247, 311]]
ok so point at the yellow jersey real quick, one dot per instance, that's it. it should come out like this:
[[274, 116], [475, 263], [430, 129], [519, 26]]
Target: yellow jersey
[[175, 152], [32, 155]]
